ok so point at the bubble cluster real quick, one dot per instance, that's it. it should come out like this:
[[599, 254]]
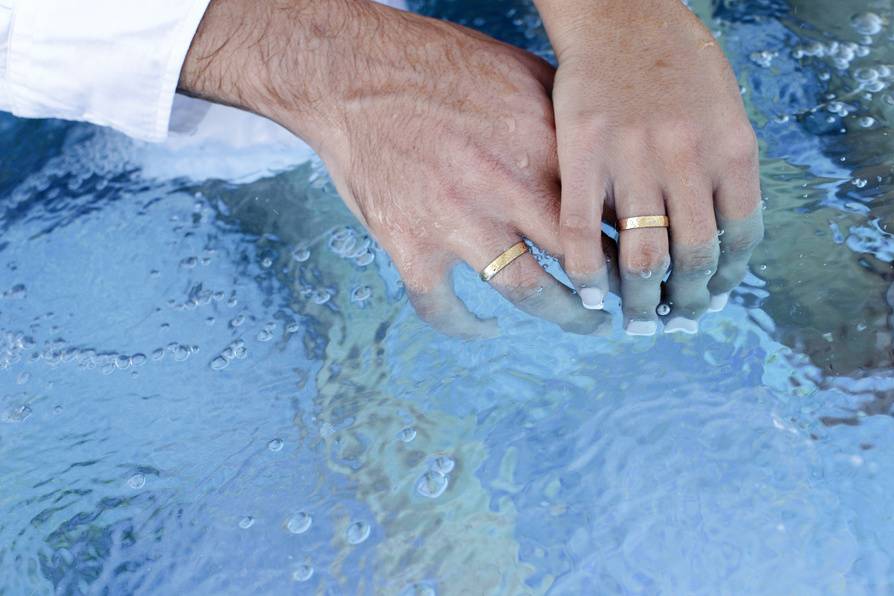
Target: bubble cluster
[[435, 480], [236, 350], [349, 244]]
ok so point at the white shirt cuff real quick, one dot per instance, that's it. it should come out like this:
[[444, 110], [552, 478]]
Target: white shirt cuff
[[111, 62]]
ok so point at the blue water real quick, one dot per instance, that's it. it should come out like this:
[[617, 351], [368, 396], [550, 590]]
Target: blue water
[[204, 389]]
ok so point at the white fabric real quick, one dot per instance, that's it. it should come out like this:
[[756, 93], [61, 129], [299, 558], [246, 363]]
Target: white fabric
[[110, 62], [117, 63], [206, 141]]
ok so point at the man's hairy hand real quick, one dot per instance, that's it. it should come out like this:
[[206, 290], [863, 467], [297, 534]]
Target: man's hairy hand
[[440, 140]]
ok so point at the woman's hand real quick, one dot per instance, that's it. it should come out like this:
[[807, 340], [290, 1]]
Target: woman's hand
[[650, 122], [440, 140]]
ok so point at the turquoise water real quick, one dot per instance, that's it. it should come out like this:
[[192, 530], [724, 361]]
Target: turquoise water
[[217, 387]]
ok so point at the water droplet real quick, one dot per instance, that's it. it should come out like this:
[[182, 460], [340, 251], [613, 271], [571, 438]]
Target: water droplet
[[407, 434], [303, 573], [419, 590], [301, 254], [867, 121], [266, 262], [219, 363], [137, 481], [246, 522], [275, 445], [432, 484], [299, 523], [16, 414], [361, 294], [357, 532], [867, 23], [320, 296], [365, 259], [442, 464], [645, 274], [342, 241]]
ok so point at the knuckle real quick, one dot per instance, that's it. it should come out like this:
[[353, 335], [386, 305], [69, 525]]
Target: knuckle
[[575, 226], [697, 260], [740, 147], [648, 258], [742, 242], [519, 280]]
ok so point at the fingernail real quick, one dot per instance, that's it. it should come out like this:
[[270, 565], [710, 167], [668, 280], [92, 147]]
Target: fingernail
[[592, 298], [718, 302], [641, 328], [681, 325]]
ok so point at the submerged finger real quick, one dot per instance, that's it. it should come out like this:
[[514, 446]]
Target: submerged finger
[[429, 286], [737, 200], [694, 254], [526, 285], [738, 239], [644, 259]]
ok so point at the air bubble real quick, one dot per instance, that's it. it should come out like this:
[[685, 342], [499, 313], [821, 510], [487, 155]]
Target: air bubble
[[361, 294], [867, 121], [867, 23], [219, 363], [663, 310], [303, 573], [137, 481], [299, 523], [246, 522], [365, 259], [320, 296], [442, 464], [275, 445], [357, 532], [407, 434], [432, 484], [301, 254]]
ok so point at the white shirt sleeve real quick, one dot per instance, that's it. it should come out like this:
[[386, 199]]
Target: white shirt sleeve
[[111, 62]]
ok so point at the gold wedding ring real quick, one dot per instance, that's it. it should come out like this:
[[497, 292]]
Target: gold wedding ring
[[645, 221], [501, 262]]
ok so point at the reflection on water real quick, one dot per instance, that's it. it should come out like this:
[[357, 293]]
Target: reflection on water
[[220, 388]]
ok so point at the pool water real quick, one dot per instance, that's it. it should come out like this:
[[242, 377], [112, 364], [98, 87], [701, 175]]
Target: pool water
[[218, 386]]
